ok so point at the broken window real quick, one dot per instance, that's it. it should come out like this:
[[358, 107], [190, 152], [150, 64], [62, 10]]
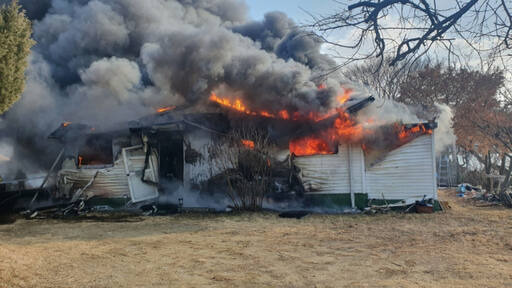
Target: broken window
[[96, 151]]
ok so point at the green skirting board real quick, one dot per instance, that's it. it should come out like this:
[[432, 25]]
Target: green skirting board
[[337, 201]]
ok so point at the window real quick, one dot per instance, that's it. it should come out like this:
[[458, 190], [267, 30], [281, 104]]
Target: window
[[96, 151]]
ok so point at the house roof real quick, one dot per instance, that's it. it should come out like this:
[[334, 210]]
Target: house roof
[[216, 122], [178, 119]]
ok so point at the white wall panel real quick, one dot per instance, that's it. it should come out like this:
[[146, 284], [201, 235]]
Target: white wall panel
[[406, 172]]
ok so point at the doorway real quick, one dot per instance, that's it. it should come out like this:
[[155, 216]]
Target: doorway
[[170, 148]]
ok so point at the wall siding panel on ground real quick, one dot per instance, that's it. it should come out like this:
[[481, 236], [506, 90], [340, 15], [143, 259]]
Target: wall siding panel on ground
[[406, 172]]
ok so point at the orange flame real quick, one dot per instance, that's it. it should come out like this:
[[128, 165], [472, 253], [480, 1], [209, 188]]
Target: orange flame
[[311, 146], [80, 159], [345, 96], [284, 114], [239, 106], [405, 134], [343, 130], [267, 114], [165, 109], [248, 144], [66, 124]]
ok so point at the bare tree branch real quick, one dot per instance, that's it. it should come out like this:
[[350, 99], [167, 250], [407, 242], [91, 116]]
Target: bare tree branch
[[371, 27]]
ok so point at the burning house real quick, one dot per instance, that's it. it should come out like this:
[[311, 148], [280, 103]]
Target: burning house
[[330, 162], [105, 65]]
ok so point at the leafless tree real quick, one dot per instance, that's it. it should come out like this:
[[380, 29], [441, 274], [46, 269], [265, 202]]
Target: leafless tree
[[387, 80], [409, 28], [244, 157]]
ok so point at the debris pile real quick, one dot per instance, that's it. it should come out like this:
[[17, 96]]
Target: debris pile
[[425, 205], [464, 188], [483, 198]]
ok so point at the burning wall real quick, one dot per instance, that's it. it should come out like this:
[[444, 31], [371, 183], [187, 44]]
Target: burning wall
[[339, 173], [321, 133]]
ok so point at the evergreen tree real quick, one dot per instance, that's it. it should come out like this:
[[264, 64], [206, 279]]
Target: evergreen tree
[[15, 43]]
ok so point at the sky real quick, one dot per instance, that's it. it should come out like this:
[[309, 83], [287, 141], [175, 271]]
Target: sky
[[293, 8]]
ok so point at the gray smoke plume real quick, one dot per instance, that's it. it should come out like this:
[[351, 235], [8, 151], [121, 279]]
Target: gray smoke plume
[[280, 35], [184, 50], [444, 135]]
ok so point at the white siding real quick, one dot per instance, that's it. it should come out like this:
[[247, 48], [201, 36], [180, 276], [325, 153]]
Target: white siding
[[110, 182], [357, 169], [201, 170], [134, 160], [332, 173], [406, 172], [205, 167]]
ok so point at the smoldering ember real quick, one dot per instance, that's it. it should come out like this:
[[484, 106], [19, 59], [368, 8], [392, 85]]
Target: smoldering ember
[[163, 111]]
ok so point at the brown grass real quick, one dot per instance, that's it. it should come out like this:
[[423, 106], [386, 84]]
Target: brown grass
[[465, 247]]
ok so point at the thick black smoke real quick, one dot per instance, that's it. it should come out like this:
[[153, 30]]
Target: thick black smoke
[[278, 34], [99, 61]]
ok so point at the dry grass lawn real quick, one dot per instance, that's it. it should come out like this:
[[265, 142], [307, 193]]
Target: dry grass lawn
[[466, 247]]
